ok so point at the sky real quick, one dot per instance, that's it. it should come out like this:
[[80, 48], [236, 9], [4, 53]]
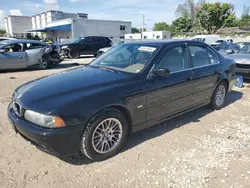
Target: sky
[[132, 10]]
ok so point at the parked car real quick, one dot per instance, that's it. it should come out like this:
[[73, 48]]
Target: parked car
[[226, 48], [103, 50], [6, 38], [242, 59], [85, 46], [93, 109], [19, 54], [242, 44], [208, 39]]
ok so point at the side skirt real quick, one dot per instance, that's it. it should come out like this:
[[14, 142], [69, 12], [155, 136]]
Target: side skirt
[[153, 122]]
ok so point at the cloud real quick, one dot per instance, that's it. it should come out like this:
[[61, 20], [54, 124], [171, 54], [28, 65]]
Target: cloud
[[50, 2], [2, 15], [75, 1], [41, 7], [16, 12]]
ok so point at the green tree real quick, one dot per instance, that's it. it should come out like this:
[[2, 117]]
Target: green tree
[[161, 26], [245, 17], [2, 32], [182, 24], [214, 16], [135, 30]]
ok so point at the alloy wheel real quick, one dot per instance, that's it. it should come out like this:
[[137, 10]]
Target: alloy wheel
[[107, 135], [220, 95]]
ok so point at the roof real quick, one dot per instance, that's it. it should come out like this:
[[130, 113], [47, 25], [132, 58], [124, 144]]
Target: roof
[[8, 42], [160, 42]]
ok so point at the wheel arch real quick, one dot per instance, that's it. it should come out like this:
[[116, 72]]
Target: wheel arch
[[127, 114]]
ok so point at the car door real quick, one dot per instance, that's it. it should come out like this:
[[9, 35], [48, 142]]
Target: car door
[[13, 58], [87, 46], [204, 72], [34, 52], [170, 95]]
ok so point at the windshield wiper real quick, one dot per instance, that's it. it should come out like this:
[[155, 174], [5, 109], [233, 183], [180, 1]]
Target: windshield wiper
[[107, 68]]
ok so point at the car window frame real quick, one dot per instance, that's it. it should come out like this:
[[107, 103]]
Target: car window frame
[[208, 48], [167, 49]]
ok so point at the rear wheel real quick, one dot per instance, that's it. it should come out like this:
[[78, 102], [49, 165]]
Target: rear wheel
[[104, 135], [219, 96], [74, 55]]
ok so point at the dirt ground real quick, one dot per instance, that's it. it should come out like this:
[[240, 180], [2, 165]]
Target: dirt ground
[[203, 148]]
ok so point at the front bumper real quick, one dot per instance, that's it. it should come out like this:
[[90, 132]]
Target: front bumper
[[59, 142], [243, 70], [245, 73]]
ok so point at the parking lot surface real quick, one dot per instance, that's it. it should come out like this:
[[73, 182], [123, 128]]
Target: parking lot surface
[[203, 148]]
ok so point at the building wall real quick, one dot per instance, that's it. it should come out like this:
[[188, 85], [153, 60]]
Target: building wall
[[133, 36], [108, 28], [17, 25], [6, 24], [43, 20], [156, 35]]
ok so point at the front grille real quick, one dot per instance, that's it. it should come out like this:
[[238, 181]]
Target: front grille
[[243, 66]]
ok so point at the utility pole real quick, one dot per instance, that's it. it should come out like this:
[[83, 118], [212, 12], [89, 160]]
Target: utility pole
[[143, 18], [143, 22]]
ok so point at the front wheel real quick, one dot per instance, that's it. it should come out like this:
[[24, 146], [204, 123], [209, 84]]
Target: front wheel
[[219, 96], [44, 64], [104, 135]]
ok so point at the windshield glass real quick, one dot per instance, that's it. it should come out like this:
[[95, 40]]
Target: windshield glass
[[77, 40], [245, 49], [131, 58]]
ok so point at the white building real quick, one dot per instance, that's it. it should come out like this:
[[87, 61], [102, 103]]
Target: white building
[[67, 26], [17, 25], [150, 35]]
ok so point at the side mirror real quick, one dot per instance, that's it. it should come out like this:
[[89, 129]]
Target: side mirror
[[229, 51], [2, 51], [161, 72]]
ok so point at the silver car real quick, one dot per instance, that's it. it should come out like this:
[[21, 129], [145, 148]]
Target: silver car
[[19, 54], [242, 59]]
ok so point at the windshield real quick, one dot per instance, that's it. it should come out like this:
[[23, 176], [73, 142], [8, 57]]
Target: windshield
[[131, 58], [245, 49], [77, 40]]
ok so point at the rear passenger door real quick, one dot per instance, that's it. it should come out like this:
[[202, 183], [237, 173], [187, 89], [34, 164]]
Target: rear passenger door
[[204, 74]]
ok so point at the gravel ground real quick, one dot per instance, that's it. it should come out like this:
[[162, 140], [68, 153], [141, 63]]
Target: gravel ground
[[203, 148]]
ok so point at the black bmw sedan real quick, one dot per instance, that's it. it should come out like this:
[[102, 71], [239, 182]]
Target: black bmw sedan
[[93, 109]]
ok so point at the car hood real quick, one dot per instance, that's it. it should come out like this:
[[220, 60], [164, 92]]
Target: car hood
[[43, 93], [240, 58]]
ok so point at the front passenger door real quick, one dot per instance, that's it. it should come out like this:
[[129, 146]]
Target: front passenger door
[[12, 59], [170, 95]]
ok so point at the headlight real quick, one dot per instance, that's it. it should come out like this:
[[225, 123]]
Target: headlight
[[43, 120], [64, 47]]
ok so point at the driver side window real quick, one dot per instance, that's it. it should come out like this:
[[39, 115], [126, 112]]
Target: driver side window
[[87, 41], [174, 60], [14, 48]]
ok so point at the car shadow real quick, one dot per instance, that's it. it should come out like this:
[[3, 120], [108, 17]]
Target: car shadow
[[161, 129]]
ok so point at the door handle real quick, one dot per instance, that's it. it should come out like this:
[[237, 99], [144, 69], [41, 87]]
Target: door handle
[[21, 57]]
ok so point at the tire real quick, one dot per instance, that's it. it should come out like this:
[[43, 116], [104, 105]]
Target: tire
[[219, 96], [90, 146], [74, 55], [44, 64]]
